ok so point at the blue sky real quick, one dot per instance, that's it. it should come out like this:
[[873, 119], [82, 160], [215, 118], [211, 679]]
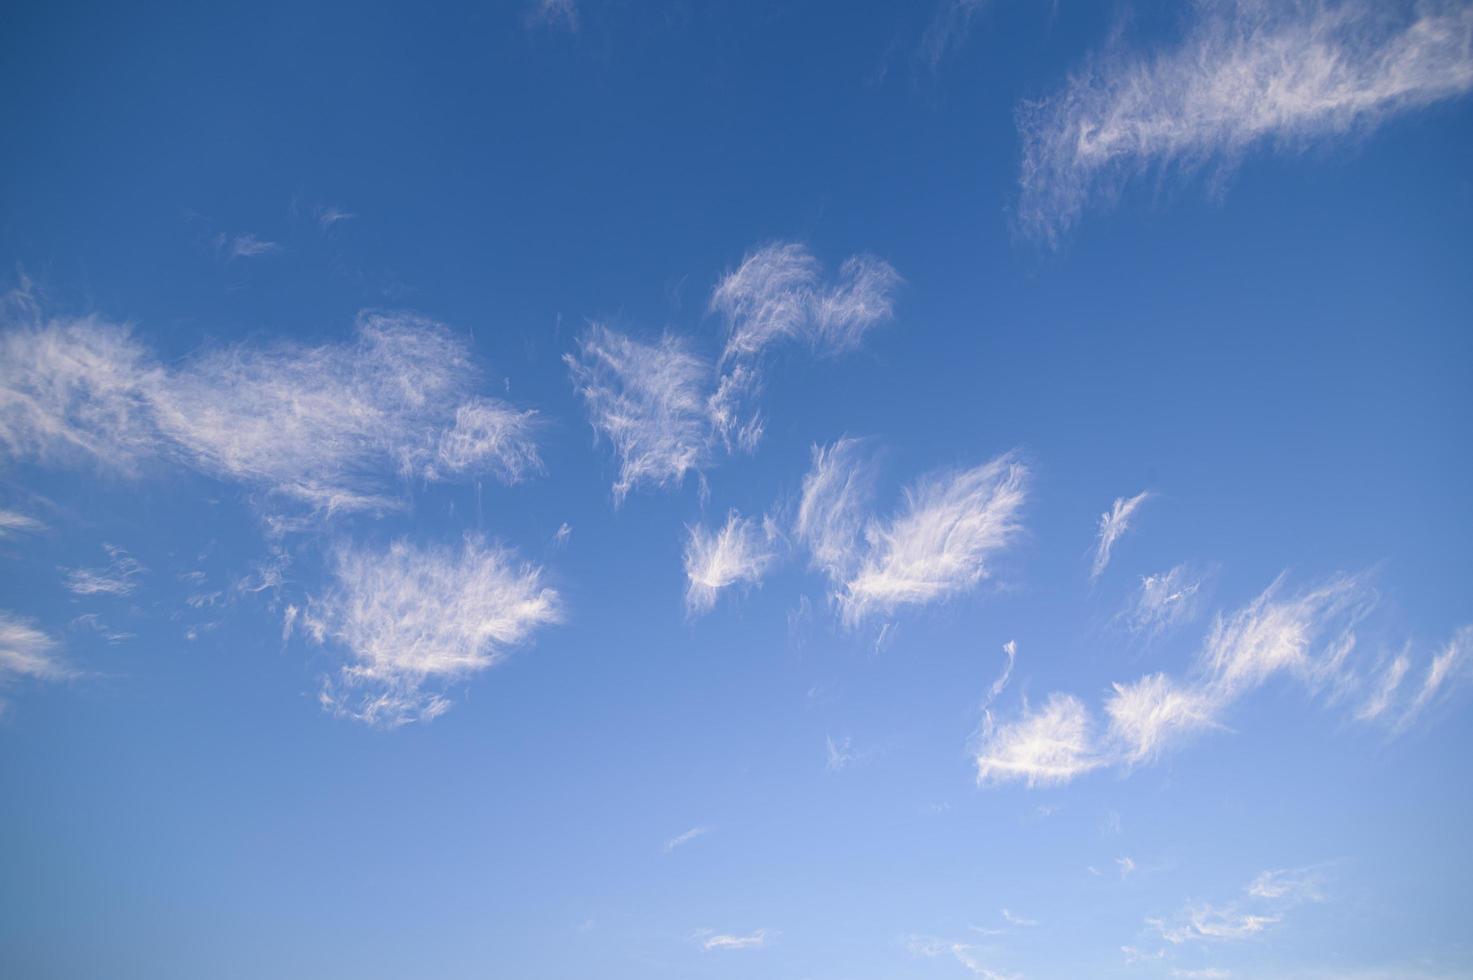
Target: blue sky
[[801, 490]]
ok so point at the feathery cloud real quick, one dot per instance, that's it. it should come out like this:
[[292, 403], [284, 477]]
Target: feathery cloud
[[1114, 523], [244, 246], [740, 551], [116, 579], [1247, 74], [942, 542], [1051, 745], [12, 522], [330, 426], [648, 400], [1164, 601], [777, 294], [1308, 637], [414, 617], [27, 652]]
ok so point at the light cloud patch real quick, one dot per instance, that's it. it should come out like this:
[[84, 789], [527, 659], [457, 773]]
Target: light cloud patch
[[942, 542], [649, 401], [1164, 601], [731, 941], [680, 840], [330, 426], [117, 578], [1246, 75], [414, 618], [13, 522], [739, 552], [1113, 524]]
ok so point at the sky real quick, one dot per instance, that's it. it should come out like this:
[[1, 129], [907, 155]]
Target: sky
[[810, 490]]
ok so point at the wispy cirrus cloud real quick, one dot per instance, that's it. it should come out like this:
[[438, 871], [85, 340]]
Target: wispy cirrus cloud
[[680, 840], [562, 14], [1164, 601], [970, 956], [733, 941], [414, 618], [1113, 524], [777, 294], [14, 522], [243, 246], [649, 400], [1308, 637], [1246, 75], [669, 411], [332, 426], [941, 543], [117, 578], [1265, 903], [741, 551], [27, 652]]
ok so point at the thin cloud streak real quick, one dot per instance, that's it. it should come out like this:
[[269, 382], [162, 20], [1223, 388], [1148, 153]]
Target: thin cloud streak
[[1113, 524]]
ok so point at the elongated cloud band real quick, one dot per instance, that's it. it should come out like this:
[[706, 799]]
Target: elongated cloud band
[[1247, 74], [331, 426], [1308, 637]]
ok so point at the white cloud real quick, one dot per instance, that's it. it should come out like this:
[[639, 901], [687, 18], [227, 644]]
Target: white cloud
[[76, 389], [837, 493], [1211, 923], [649, 401], [723, 941], [741, 551], [1248, 74], [1114, 523], [1206, 973], [942, 543], [414, 617], [1308, 637], [777, 294], [767, 298], [12, 522], [840, 754], [1164, 601], [116, 579], [1447, 668], [1013, 919], [244, 246], [1150, 713], [682, 839], [1051, 745], [1126, 865], [554, 13], [331, 426], [948, 28], [27, 652]]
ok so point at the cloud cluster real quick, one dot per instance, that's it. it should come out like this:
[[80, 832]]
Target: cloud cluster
[[667, 410], [331, 426], [1265, 902], [1247, 74], [1308, 637], [413, 619], [940, 543], [117, 578], [26, 653]]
